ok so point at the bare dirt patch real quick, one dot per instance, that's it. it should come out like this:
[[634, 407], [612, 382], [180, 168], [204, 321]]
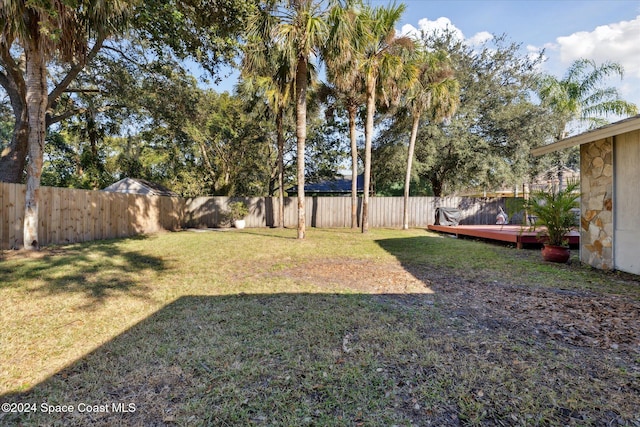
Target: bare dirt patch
[[578, 317], [358, 275], [25, 254]]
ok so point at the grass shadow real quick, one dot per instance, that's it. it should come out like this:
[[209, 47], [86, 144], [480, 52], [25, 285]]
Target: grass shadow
[[96, 271], [322, 359]]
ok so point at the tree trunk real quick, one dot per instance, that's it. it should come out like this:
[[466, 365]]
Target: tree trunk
[[301, 136], [280, 138], [354, 165], [560, 166], [436, 186], [407, 178], [368, 136], [14, 156], [37, 108]]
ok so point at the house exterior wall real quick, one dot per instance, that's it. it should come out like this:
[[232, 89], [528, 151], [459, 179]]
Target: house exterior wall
[[626, 206], [596, 204]]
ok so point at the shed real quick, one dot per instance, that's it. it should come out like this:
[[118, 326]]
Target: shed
[[140, 186], [610, 199]]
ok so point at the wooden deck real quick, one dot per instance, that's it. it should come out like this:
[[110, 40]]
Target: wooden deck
[[520, 235]]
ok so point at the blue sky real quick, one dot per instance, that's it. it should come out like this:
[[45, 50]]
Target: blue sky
[[566, 29]]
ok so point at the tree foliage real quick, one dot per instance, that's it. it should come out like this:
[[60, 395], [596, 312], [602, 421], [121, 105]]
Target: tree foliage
[[486, 143], [207, 32]]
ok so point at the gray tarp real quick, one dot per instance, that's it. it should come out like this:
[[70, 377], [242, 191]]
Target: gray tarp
[[447, 216]]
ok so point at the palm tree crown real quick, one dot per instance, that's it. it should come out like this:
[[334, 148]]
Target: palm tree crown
[[581, 96]]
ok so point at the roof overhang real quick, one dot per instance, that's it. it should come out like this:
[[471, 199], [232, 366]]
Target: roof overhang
[[617, 128]]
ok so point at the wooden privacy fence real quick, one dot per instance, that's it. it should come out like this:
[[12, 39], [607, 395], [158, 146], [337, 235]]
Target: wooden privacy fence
[[70, 216]]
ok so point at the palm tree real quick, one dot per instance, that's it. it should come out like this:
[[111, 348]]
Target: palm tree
[[268, 71], [581, 97], [298, 29], [346, 37], [278, 98], [44, 30], [380, 61], [436, 92]]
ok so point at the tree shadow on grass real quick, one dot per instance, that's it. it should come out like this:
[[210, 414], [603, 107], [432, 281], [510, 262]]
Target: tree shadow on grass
[[96, 270], [287, 359], [316, 359]]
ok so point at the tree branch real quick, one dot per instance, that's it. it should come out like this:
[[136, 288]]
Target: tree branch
[[12, 80], [122, 54], [79, 90], [70, 113], [73, 73], [67, 114]]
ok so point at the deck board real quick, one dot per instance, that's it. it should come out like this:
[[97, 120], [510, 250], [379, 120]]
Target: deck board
[[520, 235]]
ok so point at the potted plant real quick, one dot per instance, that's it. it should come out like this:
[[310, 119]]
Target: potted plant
[[237, 212], [555, 211]]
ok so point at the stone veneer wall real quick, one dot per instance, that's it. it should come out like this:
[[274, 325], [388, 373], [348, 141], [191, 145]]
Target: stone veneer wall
[[596, 206]]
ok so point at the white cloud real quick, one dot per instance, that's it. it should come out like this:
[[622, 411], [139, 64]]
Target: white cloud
[[480, 38], [444, 24], [440, 24], [618, 42], [410, 30]]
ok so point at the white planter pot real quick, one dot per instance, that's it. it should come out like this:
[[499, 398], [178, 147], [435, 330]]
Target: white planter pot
[[239, 224]]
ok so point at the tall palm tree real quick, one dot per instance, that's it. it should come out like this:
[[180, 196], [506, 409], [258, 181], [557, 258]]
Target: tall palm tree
[[267, 69], [581, 97], [380, 60], [44, 30], [345, 40], [298, 28], [435, 92]]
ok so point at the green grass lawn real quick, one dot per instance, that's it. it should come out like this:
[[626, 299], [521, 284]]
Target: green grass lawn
[[255, 327]]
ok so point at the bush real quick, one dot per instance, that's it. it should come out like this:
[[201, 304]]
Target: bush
[[238, 210], [554, 210]]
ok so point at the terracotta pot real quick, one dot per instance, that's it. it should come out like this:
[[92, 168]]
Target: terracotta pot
[[553, 253]]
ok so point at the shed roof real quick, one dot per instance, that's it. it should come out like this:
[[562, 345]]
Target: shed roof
[[339, 185], [623, 126], [139, 186]]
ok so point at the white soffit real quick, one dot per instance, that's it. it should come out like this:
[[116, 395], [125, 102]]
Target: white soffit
[[617, 128]]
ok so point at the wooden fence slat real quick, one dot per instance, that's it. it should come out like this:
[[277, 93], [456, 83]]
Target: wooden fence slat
[[3, 217], [85, 232], [80, 199], [44, 216], [14, 217], [10, 207], [54, 219], [122, 216], [64, 216]]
